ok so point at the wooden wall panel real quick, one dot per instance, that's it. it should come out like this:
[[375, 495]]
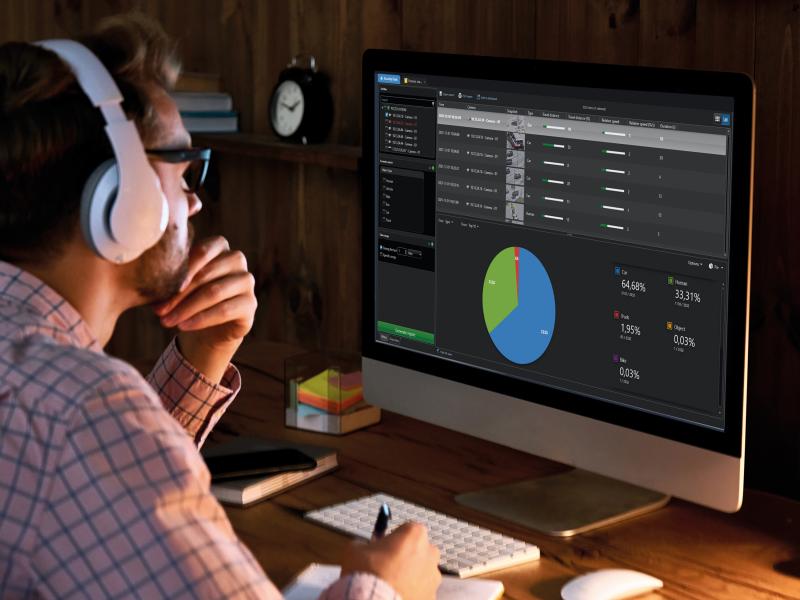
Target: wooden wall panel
[[300, 225], [668, 33], [34, 20], [594, 31], [328, 253], [470, 26], [726, 36], [774, 406], [274, 264], [707, 34], [381, 24]]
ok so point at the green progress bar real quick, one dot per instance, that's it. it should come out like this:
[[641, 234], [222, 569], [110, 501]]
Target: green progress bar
[[406, 332]]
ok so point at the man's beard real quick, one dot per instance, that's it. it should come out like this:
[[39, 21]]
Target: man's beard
[[162, 269]]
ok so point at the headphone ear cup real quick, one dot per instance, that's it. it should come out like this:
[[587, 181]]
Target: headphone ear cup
[[97, 200]]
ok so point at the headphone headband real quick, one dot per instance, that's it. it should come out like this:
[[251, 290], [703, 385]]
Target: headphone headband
[[119, 223], [95, 81]]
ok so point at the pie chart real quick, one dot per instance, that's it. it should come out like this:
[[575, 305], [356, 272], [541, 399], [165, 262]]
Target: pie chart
[[519, 307]]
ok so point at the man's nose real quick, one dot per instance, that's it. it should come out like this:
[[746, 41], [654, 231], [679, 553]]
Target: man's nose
[[194, 204]]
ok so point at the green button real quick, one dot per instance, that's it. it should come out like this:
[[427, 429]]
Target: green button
[[406, 332]]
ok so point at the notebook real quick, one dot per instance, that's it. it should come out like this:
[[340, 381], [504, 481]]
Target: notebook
[[313, 580], [242, 492]]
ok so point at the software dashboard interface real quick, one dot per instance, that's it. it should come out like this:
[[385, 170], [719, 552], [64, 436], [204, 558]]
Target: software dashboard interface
[[572, 237]]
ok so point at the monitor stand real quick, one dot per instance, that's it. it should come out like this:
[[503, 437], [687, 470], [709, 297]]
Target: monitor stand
[[565, 504]]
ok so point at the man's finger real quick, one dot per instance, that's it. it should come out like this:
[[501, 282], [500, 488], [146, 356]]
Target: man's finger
[[231, 261], [208, 295], [227, 311], [203, 253]]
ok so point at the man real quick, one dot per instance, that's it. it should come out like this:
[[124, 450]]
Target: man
[[102, 492]]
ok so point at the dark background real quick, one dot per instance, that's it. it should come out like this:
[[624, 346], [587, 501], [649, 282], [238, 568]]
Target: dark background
[[300, 225]]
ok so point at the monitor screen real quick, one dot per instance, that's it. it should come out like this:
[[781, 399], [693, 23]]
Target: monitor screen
[[566, 243]]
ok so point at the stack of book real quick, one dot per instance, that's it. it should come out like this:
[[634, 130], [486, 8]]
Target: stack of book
[[242, 492], [203, 107]]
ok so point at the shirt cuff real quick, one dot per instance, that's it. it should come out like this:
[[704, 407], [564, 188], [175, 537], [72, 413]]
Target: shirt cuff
[[360, 586], [189, 396]]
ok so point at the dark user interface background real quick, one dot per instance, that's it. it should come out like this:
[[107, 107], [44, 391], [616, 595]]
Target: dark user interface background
[[572, 238]]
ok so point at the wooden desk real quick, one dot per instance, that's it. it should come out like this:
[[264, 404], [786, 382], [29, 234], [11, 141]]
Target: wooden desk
[[698, 553]]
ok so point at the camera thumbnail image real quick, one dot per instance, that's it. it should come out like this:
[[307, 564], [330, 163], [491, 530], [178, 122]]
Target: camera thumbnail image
[[515, 158], [514, 193], [515, 141], [515, 212], [515, 176], [517, 124]]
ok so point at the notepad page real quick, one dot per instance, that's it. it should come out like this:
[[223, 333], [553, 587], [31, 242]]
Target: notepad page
[[313, 580]]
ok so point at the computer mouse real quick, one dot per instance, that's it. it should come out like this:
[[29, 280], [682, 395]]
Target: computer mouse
[[609, 584]]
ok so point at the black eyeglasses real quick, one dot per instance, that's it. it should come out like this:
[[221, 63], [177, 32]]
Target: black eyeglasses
[[195, 173]]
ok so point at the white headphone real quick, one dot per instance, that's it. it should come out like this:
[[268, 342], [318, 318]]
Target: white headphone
[[123, 210]]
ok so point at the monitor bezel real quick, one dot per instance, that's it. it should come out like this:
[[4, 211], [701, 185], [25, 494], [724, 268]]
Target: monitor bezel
[[712, 83]]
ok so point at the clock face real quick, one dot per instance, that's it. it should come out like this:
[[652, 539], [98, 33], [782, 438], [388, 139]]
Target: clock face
[[288, 106]]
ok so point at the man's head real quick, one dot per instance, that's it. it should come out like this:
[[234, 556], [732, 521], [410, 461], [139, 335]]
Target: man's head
[[51, 139]]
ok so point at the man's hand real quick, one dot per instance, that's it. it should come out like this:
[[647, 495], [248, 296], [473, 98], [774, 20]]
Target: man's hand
[[214, 309], [405, 559]]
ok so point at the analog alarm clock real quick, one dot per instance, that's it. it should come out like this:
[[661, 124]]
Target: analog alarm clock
[[301, 109]]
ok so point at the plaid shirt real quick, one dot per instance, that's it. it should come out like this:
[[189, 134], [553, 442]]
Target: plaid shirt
[[102, 493]]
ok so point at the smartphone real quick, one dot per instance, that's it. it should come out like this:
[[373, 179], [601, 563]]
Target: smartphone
[[262, 462]]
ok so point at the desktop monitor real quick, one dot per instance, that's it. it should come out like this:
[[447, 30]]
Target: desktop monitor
[[557, 257]]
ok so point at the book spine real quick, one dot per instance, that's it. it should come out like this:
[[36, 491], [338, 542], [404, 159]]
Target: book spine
[[211, 124], [203, 102], [208, 114], [227, 495]]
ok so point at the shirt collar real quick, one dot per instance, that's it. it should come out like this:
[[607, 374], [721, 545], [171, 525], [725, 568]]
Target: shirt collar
[[33, 295]]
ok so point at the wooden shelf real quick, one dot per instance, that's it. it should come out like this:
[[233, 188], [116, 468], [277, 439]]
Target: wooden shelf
[[334, 156]]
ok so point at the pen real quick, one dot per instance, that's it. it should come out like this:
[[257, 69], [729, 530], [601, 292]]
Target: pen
[[382, 522]]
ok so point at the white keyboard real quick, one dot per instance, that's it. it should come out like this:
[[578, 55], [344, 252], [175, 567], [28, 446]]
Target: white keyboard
[[466, 549]]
